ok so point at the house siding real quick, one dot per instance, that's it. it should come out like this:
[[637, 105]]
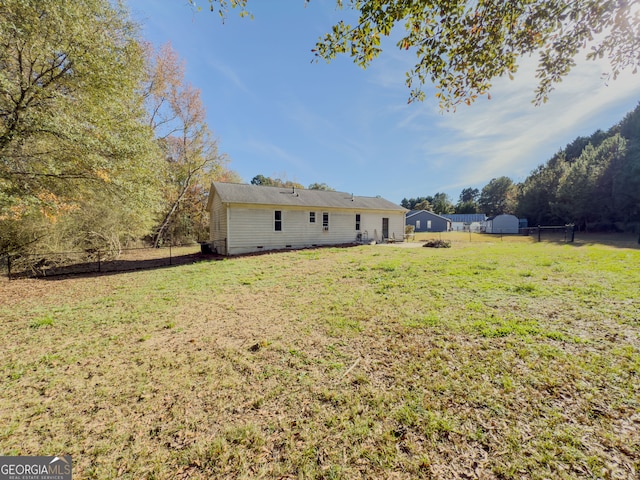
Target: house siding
[[438, 223], [371, 226], [252, 228], [218, 225]]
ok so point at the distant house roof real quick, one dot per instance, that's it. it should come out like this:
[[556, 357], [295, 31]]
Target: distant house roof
[[466, 217], [411, 213], [283, 196]]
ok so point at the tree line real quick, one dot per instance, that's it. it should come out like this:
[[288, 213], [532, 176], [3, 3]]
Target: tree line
[[498, 196], [594, 182], [279, 182], [102, 141]]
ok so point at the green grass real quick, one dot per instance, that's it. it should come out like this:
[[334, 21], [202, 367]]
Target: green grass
[[488, 359]]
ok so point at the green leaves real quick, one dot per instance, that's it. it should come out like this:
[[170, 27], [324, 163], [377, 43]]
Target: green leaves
[[594, 181], [223, 7], [498, 196], [72, 123], [462, 45]]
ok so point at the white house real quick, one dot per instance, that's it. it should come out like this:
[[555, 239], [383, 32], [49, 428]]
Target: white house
[[253, 218], [504, 223]]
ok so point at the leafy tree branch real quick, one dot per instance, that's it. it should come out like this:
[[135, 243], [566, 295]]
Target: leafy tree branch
[[462, 46]]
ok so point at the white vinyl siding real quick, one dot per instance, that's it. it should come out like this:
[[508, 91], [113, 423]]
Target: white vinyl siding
[[252, 227], [504, 223], [218, 225]]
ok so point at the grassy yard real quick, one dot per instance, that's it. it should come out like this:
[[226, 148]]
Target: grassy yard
[[493, 359]]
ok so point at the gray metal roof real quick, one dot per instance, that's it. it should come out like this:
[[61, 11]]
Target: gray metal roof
[[282, 196], [466, 217], [427, 213]]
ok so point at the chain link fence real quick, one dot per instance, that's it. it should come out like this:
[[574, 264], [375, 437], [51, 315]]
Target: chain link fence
[[85, 262]]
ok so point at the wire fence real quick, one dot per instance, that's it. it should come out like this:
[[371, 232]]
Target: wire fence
[[84, 262], [550, 233]]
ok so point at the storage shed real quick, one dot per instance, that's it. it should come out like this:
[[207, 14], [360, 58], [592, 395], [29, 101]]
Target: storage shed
[[504, 223]]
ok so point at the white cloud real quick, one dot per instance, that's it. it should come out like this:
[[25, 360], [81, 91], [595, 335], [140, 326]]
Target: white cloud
[[509, 136], [269, 151], [229, 73]]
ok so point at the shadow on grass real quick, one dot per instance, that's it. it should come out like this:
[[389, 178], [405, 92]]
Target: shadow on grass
[[119, 266], [114, 267], [617, 240]]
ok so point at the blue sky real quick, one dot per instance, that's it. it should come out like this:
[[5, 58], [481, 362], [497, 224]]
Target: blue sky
[[277, 113]]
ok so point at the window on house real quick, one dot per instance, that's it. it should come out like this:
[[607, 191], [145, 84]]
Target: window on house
[[358, 221], [278, 221], [312, 217], [417, 224], [325, 221], [428, 224]]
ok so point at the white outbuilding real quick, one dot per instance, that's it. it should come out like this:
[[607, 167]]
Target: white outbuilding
[[504, 223]]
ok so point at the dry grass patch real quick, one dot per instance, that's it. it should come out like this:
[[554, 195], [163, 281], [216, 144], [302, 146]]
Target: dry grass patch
[[496, 360]]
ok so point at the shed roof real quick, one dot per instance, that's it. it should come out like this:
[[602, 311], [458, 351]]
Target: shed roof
[[282, 196], [466, 217], [503, 215]]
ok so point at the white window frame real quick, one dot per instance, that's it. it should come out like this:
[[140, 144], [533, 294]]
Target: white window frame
[[325, 221], [277, 221]]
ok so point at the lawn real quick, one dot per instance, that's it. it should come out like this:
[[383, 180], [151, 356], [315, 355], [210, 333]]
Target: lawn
[[493, 359]]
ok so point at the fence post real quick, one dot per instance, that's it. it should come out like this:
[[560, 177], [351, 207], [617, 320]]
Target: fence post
[[538, 232], [99, 266], [170, 261], [9, 266]]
